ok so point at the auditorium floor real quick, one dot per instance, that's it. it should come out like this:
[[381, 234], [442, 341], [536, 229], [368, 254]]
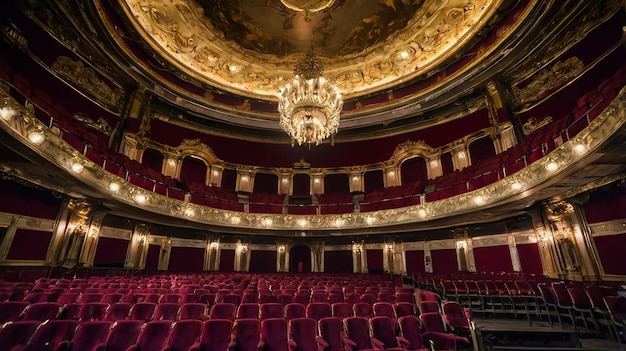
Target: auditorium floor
[[510, 334]]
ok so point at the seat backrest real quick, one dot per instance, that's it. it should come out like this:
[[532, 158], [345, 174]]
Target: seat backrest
[[318, 310], [170, 298], [295, 310], [111, 298], [184, 334], [67, 298], [616, 305], [89, 334], [362, 309], [404, 309], [16, 334], [272, 310], [90, 297], [143, 311], [357, 330], [193, 310], [384, 330], [166, 311], [596, 296], [432, 322], [232, 298], [41, 311], [153, 335], [11, 310], [579, 297], [117, 311], [429, 306], [368, 298], [216, 335], [342, 310], [50, 333], [546, 293], [560, 293], [410, 327], [274, 334], [92, 311], [303, 332], [246, 334], [123, 333], [455, 316], [330, 329], [248, 310], [223, 310]]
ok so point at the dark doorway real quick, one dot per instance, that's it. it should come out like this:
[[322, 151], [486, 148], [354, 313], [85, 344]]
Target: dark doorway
[[300, 259]]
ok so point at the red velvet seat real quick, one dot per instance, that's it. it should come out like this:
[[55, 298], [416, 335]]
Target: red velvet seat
[[330, 330], [87, 337], [248, 310], [455, 316], [342, 310], [152, 337], [245, 335], [303, 335], [193, 311], [93, 311], [434, 331], [383, 334], [362, 309], [15, 335], [121, 336], [223, 311], [11, 310], [318, 310], [166, 311], [41, 311], [183, 335], [215, 336], [295, 310], [51, 333], [410, 327], [273, 335], [143, 311]]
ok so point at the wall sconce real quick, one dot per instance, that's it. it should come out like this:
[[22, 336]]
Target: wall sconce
[[142, 238], [281, 248], [77, 167], [461, 244], [244, 248], [433, 163], [461, 155], [140, 198], [114, 187], [214, 245], [358, 249], [6, 112], [389, 247]]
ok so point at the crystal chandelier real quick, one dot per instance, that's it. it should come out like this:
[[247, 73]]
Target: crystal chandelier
[[309, 105]]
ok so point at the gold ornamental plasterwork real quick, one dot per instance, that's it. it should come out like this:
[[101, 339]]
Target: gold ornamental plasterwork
[[532, 124], [176, 29], [505, 190], [548, 79], [100, 124], [87, 79]]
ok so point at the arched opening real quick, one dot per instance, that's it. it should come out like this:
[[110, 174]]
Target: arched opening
[[373, 180], [413, 170], [153, 159], [300, 259], [336, 183], [193, 170], [301, 185], [482, 149]]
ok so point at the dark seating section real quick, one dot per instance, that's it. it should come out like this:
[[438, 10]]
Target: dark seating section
[[93, 144], [373, 311]]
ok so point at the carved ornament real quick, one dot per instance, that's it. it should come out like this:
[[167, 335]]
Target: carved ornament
[[100, 124], [532, 124], [548, 79]]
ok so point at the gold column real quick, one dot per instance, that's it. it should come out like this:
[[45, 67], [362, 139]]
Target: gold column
[[545, 243], [138, 250], [460, 237], [70, 241], [282, 255], [317, 257], [91, 239], [212, 255], [164, 254]]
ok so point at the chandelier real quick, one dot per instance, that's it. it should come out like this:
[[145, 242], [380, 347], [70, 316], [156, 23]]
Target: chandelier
[[309, 105]]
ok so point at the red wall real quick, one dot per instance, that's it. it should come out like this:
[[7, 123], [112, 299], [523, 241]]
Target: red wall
[[530, 258], [186, 259], [263, 261], [493, 259], [227, 260], [375, 260], [611, 251], [29, 245], [444, 261], [338, 262], [415, 261], [111, 251]]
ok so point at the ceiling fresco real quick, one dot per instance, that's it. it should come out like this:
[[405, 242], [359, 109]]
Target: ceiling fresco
[[249, 47]]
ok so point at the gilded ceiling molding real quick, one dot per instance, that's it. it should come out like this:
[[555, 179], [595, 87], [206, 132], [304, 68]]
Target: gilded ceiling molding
[[532, 124], [87, 79], [100, 124], [20, 125], [596, 13], [411, 148], [180, 28], [548, 79]]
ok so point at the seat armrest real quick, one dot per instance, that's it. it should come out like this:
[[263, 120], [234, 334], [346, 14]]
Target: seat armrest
[[133, 347], [195, 347], [100, 347], [63, 345], [261, 345], [377, 344], [291, 344], [350, 345], [403, 342], [166, 348], [321, 341]]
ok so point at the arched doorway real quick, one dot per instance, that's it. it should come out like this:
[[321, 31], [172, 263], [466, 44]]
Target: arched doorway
[[300, 259]]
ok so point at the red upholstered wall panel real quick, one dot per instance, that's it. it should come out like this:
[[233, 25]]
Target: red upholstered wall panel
[[152, 159], [530, 258], [481, 149], [300, 259], [152, 258], [415, 261], [606, 204], [229, 179], [193, 171], [111, 251], [444, 261], [29, 245], [373, 180], [26, 201], [336, 183], [186, 259], [227, 260], [611, 251], [374, 260], [493, 259], [263, 261], [265, 183], [338, 262], [301, 185], [413, 170]]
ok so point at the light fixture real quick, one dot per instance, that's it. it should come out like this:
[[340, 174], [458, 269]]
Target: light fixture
[[114, 187], [309, 106], [6, 112], [36, 137], [140, 198], [77, 167], [552, 166]]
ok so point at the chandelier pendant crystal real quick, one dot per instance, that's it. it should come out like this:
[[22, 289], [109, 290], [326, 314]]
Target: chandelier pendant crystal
[[309, 106]]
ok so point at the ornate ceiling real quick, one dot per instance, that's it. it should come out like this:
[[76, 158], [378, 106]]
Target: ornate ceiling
[[249, 47]]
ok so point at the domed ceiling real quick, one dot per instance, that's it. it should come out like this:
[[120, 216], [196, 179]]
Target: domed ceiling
[[370, 49]]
